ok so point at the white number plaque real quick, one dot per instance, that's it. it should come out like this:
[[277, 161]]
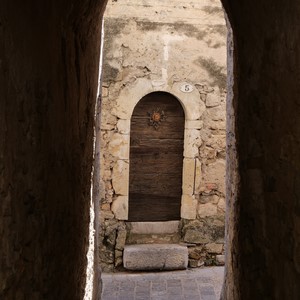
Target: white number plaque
[[186, 88]]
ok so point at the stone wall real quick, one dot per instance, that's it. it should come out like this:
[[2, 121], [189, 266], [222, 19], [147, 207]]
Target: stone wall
[[180, 49], [263, 235], [49, 55]]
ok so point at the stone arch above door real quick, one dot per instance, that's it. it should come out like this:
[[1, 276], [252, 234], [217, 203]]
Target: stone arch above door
[[131, 94], [120, 142]]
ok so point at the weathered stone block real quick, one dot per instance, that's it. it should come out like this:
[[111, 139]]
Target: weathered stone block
[[108, 121], [106, 256], [188, 176], [110, 239], [118, 254], [118, 258], [120, 207], [104, 91], [194, 106], [121, 239], [188, 207], [105, 206], [220, 260], [193, 124], [222, 205], [198, 232], [196, 263], [123, 126], [215, 173], [198, 176], [155, 257], [192, 142], [214, 248], [106, 214], [207, 210], [216, 124], [216, 141], [194, 235], [120, 177], [119, 146], [196, 252], [208, 153], [164, 227], [218, 233], [213, 99], [216, 113], [209, 199], [124, 108]]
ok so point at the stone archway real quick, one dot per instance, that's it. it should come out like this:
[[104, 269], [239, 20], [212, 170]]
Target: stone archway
[[119, 143]]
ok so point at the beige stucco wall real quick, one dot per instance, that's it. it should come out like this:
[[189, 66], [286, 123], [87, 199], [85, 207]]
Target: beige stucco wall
[[148, 49]]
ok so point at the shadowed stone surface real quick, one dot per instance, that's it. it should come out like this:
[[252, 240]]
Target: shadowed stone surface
[[155, 257], [195, 284], [49, 54]]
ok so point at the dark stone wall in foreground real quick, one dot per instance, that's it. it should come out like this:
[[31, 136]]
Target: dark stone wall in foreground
[[49, 57], [263, 229]]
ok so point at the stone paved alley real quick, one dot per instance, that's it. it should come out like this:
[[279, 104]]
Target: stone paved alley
[[193, 284]]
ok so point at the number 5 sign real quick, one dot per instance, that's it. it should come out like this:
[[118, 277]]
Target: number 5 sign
[[186, 88]]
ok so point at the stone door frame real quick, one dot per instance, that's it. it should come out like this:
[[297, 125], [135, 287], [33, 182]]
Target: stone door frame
[[119, 146]]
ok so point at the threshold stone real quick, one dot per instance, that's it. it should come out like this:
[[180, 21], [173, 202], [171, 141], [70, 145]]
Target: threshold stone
[[155, 257]]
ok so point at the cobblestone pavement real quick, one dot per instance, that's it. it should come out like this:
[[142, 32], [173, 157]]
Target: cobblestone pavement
[[194, 284]]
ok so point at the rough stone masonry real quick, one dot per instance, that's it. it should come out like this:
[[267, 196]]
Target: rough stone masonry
[[179, 49]]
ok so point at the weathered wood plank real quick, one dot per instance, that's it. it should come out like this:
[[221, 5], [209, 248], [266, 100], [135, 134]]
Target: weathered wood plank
[[143, 144], [154, 166], [156, 184], [153, 208]]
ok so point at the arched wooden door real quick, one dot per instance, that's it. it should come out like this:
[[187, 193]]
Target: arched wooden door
[[156, 158]]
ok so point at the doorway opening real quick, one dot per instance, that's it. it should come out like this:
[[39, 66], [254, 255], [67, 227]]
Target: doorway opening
[[156, 159]]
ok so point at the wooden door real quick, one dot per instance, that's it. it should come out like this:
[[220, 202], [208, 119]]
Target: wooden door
[[156, 158]]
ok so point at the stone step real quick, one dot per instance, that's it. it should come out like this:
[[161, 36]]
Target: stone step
[[134, 238], [165, 227], [166, 232], [145, 257]]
